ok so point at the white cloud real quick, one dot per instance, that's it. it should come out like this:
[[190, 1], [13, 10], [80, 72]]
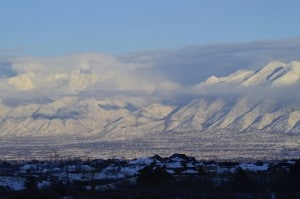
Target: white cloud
[[90, 72], [155, 73], [191, 65]]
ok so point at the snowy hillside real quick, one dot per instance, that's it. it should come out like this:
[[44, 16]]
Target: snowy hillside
[[111, 119], [273, 74], [127, 118]]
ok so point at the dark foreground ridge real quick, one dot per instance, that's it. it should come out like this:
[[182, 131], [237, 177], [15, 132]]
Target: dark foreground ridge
[[177, 176]]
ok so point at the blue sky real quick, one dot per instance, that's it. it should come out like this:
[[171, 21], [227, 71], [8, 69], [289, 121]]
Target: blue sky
[[55, 27]]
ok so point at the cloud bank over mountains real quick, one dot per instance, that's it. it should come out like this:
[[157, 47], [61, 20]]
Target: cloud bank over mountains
[[194, 89], [151, 73], [72, 74]]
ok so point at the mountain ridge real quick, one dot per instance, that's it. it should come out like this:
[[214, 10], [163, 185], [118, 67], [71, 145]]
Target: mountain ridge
[[274, 74], [114, 118]]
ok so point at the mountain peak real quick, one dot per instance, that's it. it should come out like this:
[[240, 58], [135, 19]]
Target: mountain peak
[[273, 74], [21, 82]]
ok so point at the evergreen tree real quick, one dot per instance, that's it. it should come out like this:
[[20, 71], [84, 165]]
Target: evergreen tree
[[152, 176], [30, 183], [58, 186]]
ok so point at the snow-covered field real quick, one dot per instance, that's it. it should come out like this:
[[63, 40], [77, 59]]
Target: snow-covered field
[[212, 145], [14, 183]]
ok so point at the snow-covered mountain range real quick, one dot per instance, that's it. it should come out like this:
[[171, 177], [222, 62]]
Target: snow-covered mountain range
[[228, 108]]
